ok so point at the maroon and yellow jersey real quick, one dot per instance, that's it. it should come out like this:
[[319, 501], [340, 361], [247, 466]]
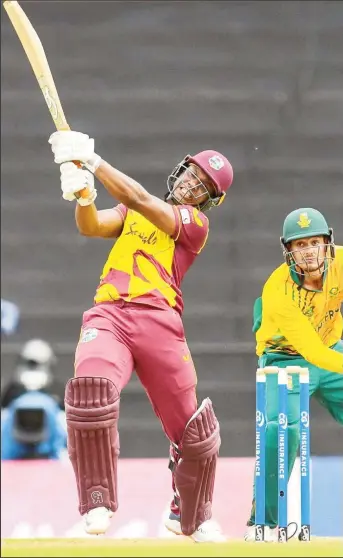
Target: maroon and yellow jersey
[[147, 265]]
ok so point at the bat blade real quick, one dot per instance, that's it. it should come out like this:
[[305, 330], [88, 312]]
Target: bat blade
[[39, 63], [35, 53]]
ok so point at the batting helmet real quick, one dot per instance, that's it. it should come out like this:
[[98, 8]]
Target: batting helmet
[[215, 166]]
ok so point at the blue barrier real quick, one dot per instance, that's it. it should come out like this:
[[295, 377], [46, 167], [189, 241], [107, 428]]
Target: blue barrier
[[327, 496]]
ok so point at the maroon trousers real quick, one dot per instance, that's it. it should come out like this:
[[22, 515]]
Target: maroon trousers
[[119, 338]]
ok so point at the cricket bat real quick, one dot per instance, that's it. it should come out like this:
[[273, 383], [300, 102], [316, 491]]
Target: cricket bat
[[35, 52]]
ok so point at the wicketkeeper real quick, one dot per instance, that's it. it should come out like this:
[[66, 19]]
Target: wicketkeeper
[[298, 322]]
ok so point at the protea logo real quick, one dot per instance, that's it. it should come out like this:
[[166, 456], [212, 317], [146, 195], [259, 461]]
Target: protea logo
[[216, 162], [304, 221], [333, 291], [309, 312]]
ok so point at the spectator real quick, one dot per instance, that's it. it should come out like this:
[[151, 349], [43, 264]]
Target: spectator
[[35, 371], [10, 315]]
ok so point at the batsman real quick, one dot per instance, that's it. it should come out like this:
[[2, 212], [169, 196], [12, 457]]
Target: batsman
[[298, 322], [135, 325]]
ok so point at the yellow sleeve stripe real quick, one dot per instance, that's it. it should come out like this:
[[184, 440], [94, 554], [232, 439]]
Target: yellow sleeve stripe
[[177, 223], [206, 237]]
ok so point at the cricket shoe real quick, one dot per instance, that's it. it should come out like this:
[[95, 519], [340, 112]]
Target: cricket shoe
[[97, 520], [270, 533], [208, 531]]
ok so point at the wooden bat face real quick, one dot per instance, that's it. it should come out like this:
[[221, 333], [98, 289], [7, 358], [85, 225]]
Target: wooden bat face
[[38, 61]]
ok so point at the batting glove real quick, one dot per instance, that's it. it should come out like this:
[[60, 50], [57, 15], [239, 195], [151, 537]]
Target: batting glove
[[74, 146], [75, 179]]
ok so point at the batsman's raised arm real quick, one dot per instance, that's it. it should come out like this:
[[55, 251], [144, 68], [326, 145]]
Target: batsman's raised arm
[[134, 196], [70, 146], [106, 223]]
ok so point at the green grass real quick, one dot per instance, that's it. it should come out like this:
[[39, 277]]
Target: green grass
[[149, 547]]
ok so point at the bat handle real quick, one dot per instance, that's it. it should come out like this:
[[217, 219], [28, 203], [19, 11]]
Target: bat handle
[[82, 193]]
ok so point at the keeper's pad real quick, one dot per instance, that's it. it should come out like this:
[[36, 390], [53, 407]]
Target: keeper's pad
[[92, 412], [195, 469]]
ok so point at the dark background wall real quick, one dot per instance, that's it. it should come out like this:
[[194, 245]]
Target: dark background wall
[[260, 81]]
